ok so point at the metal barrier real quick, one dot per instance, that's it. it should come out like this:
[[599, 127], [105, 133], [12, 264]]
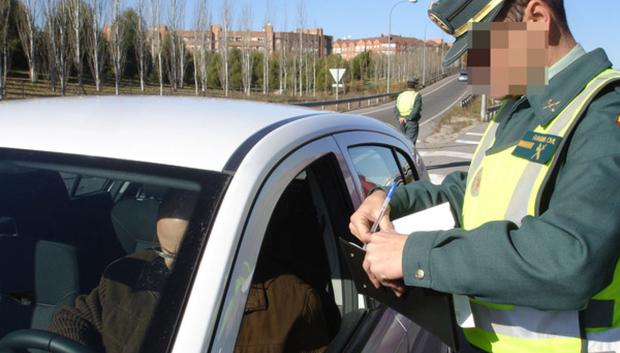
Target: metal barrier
[[369, 100], [466, 101], [491, 111]]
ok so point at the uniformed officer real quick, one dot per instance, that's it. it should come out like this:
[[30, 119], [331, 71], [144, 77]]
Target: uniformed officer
[[537, 245], [408, 110]]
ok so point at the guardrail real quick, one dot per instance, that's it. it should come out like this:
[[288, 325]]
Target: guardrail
[[466, 101], [349, 101], [491, 111], [369, 100]]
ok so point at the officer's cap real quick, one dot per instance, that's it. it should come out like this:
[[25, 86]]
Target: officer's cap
[[412, 82], [455, 17]]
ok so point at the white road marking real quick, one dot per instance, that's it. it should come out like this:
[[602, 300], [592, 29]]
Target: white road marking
[[474, 134], [467, 142], [445, 110], [436, 179], [452, 154]]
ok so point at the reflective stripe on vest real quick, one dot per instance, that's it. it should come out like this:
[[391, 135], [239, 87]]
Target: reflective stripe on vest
[[405, 103], [501, 186]]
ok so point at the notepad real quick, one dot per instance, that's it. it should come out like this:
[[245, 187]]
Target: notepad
[[437, 218]]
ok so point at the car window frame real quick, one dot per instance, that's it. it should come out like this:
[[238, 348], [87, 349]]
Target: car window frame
[[263, 205]]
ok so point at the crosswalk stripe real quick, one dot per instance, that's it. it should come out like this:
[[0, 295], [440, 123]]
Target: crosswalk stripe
[[452, 154], [474, 134], [467, 142]]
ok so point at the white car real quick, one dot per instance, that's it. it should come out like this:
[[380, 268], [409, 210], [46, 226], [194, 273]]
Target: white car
[[81, 180], [463, 76]]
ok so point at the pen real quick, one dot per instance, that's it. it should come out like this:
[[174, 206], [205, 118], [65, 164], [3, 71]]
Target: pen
[[386, 202]]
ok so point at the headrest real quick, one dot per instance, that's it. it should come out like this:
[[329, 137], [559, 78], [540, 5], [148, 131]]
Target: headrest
[[134, 222]]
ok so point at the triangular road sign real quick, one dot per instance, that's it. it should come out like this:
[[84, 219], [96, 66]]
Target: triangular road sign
[[337, 74]]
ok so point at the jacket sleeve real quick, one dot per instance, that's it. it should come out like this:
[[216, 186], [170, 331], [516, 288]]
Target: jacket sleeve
[[82, 322], [423, 194], [417, 108], [555, 261]]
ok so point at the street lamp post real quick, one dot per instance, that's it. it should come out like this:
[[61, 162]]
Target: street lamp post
[[389, 70], [424, 60]]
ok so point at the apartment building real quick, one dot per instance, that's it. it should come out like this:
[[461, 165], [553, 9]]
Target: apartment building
[[312, 40], [350, 48]]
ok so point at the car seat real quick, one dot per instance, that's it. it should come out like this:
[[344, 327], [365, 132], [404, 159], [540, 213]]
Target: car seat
[[38, 269], [134, 221], [36, 278]]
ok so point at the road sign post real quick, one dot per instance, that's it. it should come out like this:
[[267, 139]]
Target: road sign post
[[337, 75]]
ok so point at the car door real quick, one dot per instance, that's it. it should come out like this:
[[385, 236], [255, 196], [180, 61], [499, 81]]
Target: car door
[[299, 213], [291, 196], [376, 160]]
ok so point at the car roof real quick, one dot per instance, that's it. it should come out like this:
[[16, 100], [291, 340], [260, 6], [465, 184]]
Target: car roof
[[203, 133]]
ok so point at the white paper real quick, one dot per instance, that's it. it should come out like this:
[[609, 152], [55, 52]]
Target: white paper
[[437, 218]]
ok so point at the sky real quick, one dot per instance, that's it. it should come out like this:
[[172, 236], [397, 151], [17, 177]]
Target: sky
[[594, 23]]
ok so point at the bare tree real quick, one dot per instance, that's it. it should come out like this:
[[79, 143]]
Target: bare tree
[[156, 41], [76, 15], [5, 12], [284, 45], [223, 43], [117, 43], [246, 48], [58, 24], [199, 48], [26, 28], [179, 36], [95, 44], [268, 46], [140, 42], [301, 18], [173, 15]]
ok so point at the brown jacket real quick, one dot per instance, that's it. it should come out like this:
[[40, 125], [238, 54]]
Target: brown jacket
[[283, 314]]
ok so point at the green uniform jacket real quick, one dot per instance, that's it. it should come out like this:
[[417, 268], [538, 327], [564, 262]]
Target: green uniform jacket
[[557, 260], [416, 113]]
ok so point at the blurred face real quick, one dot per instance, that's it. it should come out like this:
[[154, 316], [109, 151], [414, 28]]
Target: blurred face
[[170, 232], [507, 58]]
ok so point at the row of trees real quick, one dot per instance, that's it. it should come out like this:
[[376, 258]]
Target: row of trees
[[104, 41]]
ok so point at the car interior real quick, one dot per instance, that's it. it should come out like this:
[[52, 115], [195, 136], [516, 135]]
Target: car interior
[[59, 230], [61, 226]]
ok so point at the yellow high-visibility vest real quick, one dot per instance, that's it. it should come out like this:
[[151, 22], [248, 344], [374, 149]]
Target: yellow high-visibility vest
[[501, 186], [405, 102]]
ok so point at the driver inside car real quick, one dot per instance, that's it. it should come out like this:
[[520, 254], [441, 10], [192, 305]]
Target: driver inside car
[[282, 314]]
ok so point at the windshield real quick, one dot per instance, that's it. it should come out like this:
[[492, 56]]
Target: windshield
[[88, 245]]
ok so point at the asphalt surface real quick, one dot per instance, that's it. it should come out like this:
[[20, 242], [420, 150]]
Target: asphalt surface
[[438, 99]]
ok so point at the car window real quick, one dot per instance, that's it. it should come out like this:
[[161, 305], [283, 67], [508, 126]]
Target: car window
[[297, 297], [93, 268], [409, 173], [375, 166]]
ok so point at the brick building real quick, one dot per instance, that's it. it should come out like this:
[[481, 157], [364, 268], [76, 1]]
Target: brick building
[[350, 48], [313, 40]]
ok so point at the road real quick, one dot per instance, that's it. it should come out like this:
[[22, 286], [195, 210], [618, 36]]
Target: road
[[438, 99]]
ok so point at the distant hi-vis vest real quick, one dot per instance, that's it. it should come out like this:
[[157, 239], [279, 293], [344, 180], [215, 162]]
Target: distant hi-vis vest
[[508, 185], [405, 102]]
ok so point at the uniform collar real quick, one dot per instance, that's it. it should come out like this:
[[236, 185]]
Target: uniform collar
[[566, 84], [572, 56]]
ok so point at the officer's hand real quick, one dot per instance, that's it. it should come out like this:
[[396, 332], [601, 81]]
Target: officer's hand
[[383, 262], [402, 121], [363, 219]]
